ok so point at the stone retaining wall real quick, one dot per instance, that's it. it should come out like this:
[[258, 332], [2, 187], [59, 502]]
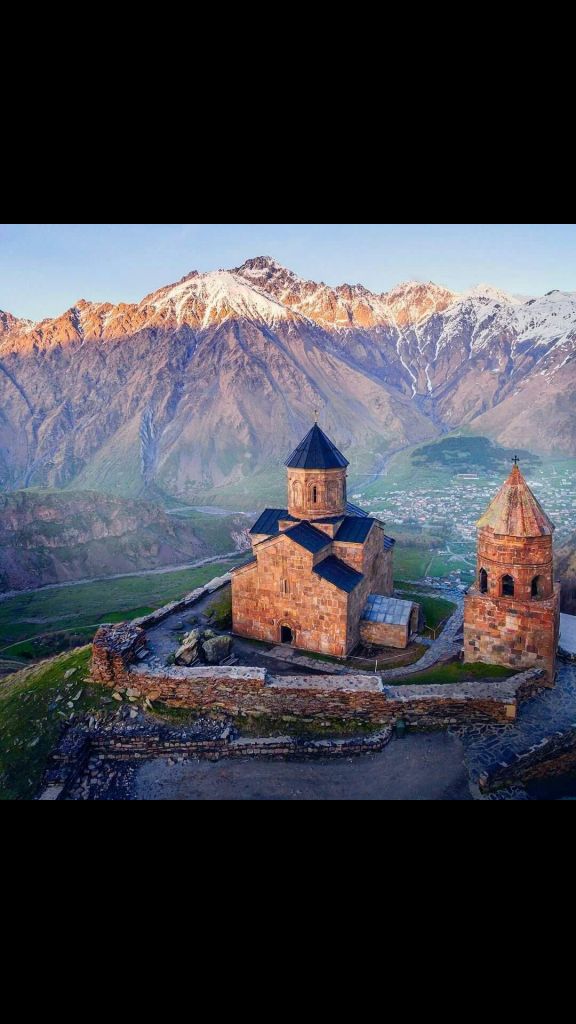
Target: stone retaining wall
[[555, 755], [128, 742]]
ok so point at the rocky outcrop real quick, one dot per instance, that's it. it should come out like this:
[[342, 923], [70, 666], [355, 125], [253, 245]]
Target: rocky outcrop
[[52, 538]]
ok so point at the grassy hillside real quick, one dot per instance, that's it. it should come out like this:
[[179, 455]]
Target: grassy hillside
[[74, 612], [34, 705]]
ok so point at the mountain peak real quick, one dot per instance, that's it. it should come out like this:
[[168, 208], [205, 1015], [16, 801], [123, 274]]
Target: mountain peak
[[260, 263], [488, 291]]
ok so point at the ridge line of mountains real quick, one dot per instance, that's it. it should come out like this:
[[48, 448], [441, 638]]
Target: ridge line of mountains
[[206, 384]]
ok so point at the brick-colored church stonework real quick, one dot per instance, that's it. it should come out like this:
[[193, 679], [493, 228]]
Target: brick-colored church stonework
[[515, 549], [315, 563]]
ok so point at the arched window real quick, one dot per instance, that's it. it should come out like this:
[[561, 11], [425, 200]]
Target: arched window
[[507, 586], [537, 586], [284, 587], [483, 581], [314, 495]]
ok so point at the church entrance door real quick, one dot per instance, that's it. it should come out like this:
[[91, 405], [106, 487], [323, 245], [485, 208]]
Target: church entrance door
[[286, 635]]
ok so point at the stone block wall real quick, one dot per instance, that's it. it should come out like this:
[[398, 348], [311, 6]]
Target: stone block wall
[[555, 756], [252, 691], [330, 485], [315, 610], [384, 634], [524, 558], [516, 634]]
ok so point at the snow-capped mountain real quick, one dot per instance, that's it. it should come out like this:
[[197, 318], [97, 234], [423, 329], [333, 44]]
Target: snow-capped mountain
[[211, 379]]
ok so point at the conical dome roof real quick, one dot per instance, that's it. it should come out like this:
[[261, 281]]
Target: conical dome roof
[[515, 512], [316, 451]]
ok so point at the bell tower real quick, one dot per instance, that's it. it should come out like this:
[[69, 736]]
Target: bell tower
[[512, 613], [316, 478]]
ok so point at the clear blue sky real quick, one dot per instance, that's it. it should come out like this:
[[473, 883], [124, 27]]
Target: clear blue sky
[[46, 268]]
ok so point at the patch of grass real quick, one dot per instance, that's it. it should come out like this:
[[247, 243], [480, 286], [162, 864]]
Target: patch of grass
[[34, 705], [220, 612], [435, 609], [456, 672], [411, 562]]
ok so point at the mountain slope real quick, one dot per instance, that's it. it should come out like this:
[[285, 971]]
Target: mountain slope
[[210, 380], [53, 537]]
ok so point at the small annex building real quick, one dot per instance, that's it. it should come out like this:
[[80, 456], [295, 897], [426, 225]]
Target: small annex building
[[316, 563]]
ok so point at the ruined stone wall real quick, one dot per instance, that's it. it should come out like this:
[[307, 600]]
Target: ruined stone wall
[[315, 610], [517, 634], [384, 634]]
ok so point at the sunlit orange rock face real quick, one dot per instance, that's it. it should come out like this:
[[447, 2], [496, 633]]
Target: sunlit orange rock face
[[511, 615], [209, 380]]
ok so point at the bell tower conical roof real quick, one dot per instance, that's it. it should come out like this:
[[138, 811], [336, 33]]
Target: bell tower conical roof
[[515, 511], [316, 451]]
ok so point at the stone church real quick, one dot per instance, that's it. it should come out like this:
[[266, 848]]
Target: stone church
[[320, 577], [512, 614]]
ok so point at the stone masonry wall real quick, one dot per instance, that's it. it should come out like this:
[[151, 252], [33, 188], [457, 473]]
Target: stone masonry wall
[[517, 634], [252, 691], [330, 487], [523, 558], [384, 634], [555, 756], [315, 610]]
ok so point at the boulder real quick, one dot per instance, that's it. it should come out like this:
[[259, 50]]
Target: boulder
[[188, 652], [216, 649]]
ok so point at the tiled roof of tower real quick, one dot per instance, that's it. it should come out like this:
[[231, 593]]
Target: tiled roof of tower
[[515, 512], [308, 537], [316, 451], [338, 573]]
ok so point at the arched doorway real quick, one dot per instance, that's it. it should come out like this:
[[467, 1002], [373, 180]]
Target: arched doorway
[[286, 635], [537, 588]]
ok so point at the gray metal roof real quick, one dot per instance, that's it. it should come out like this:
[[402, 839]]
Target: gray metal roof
[[387, 609], [338, 573], [316, 451], [308, 537], [268, 521], [355, 529]]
